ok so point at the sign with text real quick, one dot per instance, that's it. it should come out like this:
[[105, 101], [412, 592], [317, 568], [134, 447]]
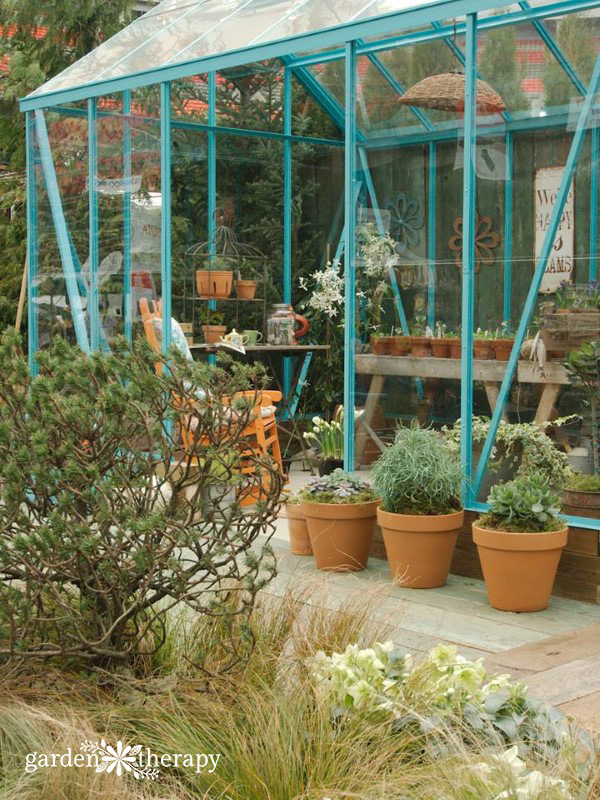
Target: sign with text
[[560, 264]]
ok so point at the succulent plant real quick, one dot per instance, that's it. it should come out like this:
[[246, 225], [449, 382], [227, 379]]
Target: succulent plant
[[525, 504], [338, 487]]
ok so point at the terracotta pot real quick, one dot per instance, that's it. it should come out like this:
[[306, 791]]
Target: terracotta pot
[[399, 345], [341, 534], [213, 333], [440, 348], [581, 504], [503, 348], [380, 345], [298, 530], [455, 348], [419, 548], [483, 349], [420, 346], [519, 568], [214, 283], [246, 290]]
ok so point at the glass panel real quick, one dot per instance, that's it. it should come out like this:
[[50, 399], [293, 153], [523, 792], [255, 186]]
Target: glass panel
[[251, 97], [189, 100], [309, 118]]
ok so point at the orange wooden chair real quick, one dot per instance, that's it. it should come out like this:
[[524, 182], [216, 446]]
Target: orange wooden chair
[[261, 438]]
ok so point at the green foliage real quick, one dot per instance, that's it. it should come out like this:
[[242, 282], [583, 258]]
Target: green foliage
[[584, 483], [105, 522], [523, 447], [583, 369], [499, 66], [209, 316], [525, 505], [338, 487], [574, 37], [418, 474]]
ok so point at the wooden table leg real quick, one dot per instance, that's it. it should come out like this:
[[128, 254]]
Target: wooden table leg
[[492, 391], [375, 391], [547, 400]]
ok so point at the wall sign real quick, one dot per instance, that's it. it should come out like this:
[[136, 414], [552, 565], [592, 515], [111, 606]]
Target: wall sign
[[560, 264]]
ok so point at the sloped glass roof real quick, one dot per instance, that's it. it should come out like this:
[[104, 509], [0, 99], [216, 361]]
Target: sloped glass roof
[[177, 31]]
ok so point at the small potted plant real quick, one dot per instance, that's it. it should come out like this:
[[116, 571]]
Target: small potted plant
[[440, 343], [212, 325], [298, 530], [399, 344], [419, 480], [420, 343], [483, 347], [581, 497], [455, 344], [380, 344], [520, 541], [328, 437], [340, 512], [216, 280], [503, 342], [245, 288]]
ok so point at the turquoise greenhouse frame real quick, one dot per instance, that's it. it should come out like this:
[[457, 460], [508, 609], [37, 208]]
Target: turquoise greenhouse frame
[[367, 32]]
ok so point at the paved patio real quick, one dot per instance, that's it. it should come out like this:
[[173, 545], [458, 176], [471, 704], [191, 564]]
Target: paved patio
[[556, 652]]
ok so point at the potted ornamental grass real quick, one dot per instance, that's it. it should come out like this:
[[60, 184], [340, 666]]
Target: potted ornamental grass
[[340, 511], [520, 541], [419, 479], [297, 528]]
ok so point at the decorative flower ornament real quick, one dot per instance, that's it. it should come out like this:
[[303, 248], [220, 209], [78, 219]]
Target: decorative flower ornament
[[406, 220], [486, 241]]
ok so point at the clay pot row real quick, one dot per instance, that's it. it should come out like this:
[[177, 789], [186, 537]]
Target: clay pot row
[[519, 568], [219, 283], [483, 349]]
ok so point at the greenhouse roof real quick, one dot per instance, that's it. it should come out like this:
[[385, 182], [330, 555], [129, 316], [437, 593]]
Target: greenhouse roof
[[181, 37]]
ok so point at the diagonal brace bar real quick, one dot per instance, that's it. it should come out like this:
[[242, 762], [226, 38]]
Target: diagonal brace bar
[[573, 157]]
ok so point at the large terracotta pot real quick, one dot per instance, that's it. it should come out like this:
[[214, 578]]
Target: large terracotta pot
[[519, 568], [298, 530], [419, 548], [214, 282], [341, 534], [246, 290]]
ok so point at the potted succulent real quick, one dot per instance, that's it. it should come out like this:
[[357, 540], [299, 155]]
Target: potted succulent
[[520, 541], [340, 512], [483, 347], [212, 325], [581, 497], [440, 343], [328, 437], [420, 343], [298, 530], [503, 342], [419, 480], [216, 280]]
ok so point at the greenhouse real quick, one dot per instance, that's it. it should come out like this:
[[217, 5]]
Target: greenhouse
[[414, 186]]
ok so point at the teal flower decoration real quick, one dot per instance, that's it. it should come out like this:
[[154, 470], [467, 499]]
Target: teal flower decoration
[[406, 220]]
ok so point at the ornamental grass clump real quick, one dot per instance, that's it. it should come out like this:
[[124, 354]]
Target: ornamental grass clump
[[526, 505], [418, 474], [338, 488]]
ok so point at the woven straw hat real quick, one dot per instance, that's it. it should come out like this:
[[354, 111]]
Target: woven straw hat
[[446, 92]]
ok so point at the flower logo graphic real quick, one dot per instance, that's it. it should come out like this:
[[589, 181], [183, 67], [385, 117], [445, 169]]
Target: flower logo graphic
[[486, 241], [119, 759], [405, 222]]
